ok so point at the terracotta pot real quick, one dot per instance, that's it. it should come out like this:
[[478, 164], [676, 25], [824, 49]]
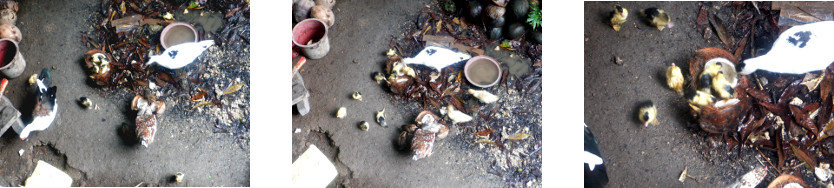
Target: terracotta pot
[[477, 75], [171, 36]]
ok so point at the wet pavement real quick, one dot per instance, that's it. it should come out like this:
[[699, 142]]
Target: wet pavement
[[651, 156], [359, 39], [86, 143]]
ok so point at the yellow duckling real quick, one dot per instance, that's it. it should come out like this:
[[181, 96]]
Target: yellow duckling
[[618, 17], [674, 78], [648, 114]]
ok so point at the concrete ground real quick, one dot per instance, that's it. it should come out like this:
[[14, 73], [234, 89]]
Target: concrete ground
[[85, 143], [651, 156], [358, 41]]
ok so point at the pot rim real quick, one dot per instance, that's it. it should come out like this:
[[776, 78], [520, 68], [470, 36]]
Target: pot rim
[[326, 30], [475, 59], [164, 33], [17, 51]]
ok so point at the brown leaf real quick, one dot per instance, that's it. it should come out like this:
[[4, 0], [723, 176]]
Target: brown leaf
[[199, 95], [803, 156], [484, 132], [759, 95], [802, 119]]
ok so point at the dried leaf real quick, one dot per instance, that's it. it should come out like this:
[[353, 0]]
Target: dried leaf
[[201, 104], [486, 141], [484, 132], [233, 88], [803, 156], [812, 80], [123, 8], [199, 95], [518, 136], [827, 130]]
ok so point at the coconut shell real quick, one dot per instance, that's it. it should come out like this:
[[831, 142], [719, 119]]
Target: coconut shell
[[9, 31], [697, 62], [501, 3], [326, 3], [515, 30], [422, 144], [786, 179], [11, 5], [323, 13], [8, 16], [518, 9], [495, 33], [301, 9], [726, 118], [495, 11], [99, 79], [474, 9]]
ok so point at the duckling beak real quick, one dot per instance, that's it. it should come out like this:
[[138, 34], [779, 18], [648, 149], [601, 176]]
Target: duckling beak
[[646, 124]]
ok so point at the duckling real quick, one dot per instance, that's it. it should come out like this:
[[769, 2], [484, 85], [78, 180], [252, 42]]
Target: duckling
[[721, 86], [699, 98], [648, 114], [483, 95], [364, 125], [356, 95], [379, 77], [618, 17], [658, 17], [341, 113], [706, 77], [674, 78], [380, 118]]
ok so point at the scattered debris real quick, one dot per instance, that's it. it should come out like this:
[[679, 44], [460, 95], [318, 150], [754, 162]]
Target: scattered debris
[[682, 177], [617, 60], [823, 172], [297, 130], [752, 178]]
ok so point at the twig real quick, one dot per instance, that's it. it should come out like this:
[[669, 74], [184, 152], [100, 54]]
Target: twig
[[140, 184], [768, 161]]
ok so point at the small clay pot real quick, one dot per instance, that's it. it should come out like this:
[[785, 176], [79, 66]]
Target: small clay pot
[[166, 38], [468, 71]]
